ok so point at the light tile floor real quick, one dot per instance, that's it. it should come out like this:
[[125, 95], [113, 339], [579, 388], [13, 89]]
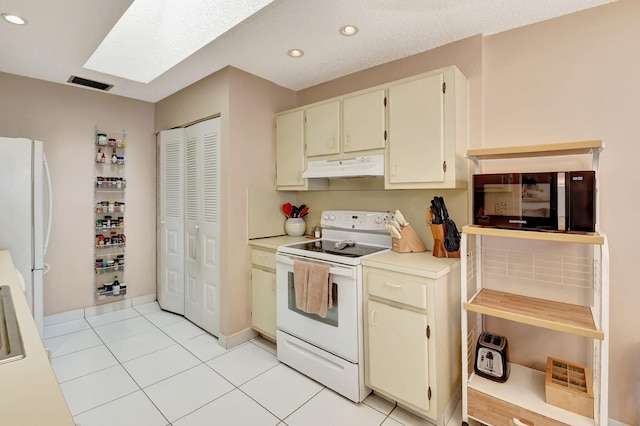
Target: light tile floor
[[142, 366]]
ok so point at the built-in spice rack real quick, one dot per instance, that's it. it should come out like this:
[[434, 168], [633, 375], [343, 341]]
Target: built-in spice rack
[[109, 201]]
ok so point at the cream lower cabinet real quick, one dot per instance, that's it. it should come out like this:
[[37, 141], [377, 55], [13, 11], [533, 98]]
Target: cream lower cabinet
[[263, 292], [412, 351]]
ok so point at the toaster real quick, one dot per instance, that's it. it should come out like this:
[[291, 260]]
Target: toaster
[[491, 357]]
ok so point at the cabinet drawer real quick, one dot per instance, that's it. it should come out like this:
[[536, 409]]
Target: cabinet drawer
[[498, 412], [399, 288], [263, 258]]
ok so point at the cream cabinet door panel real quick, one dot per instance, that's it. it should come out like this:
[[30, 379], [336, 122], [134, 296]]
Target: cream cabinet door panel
[[364, 122], [323, 129], [398, 353], [290, 149], [263, 301], [416, 131]]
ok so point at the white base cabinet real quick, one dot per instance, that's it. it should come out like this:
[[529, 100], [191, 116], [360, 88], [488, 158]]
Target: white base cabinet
[[411, 341]]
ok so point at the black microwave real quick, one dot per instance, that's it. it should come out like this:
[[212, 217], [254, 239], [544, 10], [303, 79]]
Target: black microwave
[[551, 201]]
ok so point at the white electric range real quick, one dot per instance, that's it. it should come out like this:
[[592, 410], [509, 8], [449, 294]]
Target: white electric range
[[330, 349]]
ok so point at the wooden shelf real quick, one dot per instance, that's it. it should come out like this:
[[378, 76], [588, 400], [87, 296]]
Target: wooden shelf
[[559, 316], [525, 388], [566, 237], [566, 148]]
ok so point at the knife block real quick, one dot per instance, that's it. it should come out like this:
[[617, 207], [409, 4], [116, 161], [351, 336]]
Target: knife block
[[409, 243], [438, 230]]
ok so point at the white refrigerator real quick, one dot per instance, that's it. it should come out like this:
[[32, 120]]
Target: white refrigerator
[[25, 207]]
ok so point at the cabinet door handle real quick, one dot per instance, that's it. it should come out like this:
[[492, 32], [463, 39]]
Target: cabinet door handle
[[333, 142], [347, 142], [393, 170], [388, 284], [519, 422], [373, 322]]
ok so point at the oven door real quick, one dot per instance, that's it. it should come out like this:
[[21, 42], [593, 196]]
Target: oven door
[[338, 332]]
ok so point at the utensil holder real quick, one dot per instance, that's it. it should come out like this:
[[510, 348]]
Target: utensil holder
[[409, 243], [439, 230], [295, 226]]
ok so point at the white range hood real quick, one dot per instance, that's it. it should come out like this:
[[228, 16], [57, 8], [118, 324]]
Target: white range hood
[[368, 165]]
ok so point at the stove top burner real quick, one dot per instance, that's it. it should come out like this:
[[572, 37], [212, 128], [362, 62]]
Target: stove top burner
[[344, 248]]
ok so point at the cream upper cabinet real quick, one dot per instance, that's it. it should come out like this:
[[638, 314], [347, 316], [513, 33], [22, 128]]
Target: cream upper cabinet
[[427, 122], [364, 122], [322, 130], [290, 150]]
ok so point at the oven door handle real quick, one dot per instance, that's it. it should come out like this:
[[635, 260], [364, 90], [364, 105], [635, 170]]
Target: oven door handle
[[343, 272]]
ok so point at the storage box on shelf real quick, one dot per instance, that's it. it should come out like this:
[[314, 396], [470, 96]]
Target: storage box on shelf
[[541, 289], [109, 201], [569, 386]]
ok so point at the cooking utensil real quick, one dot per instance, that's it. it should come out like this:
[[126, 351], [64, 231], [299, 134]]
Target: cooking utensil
[[286, 208], [303, 211]]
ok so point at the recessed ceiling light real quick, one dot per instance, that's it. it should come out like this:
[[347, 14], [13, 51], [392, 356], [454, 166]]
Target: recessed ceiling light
[[14, 19], [295, 53], [348, 30]]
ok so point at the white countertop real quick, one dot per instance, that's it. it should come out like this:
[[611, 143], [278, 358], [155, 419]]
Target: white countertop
[[29, 391], [274, 242], [422, 264]]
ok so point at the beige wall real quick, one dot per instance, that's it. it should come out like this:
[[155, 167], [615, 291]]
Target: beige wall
[[576, 78], [64, 117], [246, 105]]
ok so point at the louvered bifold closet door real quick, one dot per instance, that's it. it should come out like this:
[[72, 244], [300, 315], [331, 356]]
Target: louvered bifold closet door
[[202, 224], [193, 250], [171, 221]]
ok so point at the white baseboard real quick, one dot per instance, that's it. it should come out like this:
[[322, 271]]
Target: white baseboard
[[141, 300], [237, 339], [107, 307], [617, 423], [63, 317]]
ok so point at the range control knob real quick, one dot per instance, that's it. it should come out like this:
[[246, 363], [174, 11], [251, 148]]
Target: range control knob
[[326, 216], [332, 217], [378, 220]]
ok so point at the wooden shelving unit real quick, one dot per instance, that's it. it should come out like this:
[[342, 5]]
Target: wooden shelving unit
[[485, 292]]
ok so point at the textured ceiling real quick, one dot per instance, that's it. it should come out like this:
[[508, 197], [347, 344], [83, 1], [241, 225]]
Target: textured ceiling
[[62, 34]]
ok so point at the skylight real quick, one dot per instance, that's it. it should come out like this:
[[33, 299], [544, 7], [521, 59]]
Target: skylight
[[154, 35]]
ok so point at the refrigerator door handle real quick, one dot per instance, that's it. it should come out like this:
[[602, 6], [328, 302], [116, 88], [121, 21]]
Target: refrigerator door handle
[[50, 205]]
